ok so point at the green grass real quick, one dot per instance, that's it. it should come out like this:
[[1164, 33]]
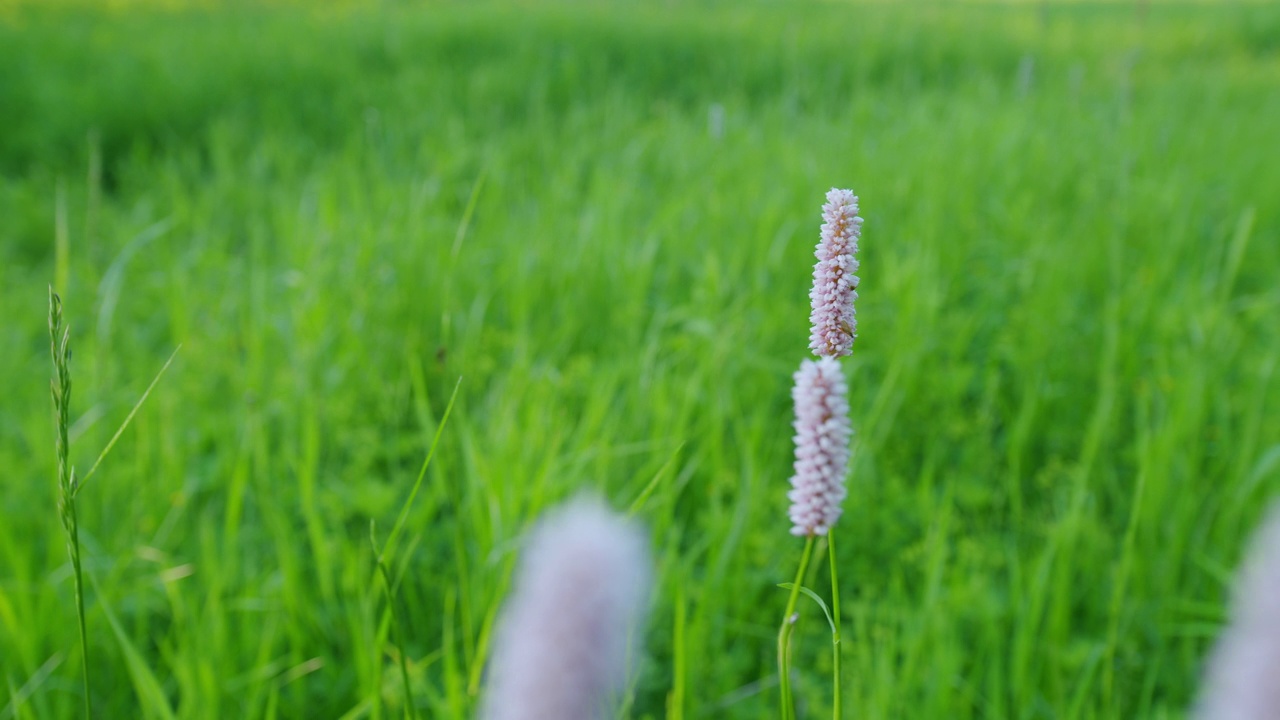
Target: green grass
[[1063, 394]]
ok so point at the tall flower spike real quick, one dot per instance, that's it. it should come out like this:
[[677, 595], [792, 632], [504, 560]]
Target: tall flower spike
[[834, 282], [822, 446], [1242, 680], [561, 649]]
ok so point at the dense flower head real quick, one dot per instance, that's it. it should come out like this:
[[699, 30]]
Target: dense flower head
[[561, 647], [822, 439], [1242, 681], [834, 325]]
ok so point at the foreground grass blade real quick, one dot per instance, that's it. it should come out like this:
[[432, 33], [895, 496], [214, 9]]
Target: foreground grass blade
[[151, 695]]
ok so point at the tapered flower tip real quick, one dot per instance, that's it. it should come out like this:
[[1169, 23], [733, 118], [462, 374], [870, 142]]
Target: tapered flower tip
[[834, 324], [561, 648], [1242, 679]]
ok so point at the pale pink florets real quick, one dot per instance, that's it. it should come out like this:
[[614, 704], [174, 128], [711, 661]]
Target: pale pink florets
[[561, 647], [834, 282], [1242, 681], [822, 446]]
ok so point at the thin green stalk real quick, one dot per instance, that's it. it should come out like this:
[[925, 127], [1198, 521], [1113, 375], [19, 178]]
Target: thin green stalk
[[60, 386], [835, 627], [784, 634]]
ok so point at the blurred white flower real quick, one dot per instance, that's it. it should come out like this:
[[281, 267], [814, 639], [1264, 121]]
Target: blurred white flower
[[1242, 680], [561, 648]]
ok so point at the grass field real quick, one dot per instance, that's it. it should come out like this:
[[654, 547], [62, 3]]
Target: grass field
[[597, 222]]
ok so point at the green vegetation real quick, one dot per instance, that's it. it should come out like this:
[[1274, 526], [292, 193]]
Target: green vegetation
[[601, 218]]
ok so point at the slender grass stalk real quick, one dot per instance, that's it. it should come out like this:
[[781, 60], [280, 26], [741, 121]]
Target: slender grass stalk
[[385, 553], [835, 627], [60, 387], [784, 633]]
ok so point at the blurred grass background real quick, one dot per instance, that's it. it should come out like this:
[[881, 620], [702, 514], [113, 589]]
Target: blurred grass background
[[601, 217]]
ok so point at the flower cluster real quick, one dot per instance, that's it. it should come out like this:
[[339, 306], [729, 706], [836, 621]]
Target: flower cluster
[[834, 283], [821, 397], [822, 446]]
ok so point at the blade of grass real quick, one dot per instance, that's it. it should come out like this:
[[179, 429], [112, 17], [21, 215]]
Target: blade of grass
[[417, 484], [127, 420], [150, 693], [19, 695], [465, 224], [653, 484]]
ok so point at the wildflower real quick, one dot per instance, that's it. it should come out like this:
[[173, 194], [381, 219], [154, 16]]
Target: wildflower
[[561, 649], [822, 446], [834, 283], [1242, 680]]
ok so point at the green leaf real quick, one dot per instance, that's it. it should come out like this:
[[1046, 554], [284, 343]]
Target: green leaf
[[814, 596]]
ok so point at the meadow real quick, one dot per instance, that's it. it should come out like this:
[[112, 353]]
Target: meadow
[[591, 227]]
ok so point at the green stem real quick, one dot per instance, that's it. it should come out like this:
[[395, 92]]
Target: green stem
[[74, 551], [835, 628], [784, 634]]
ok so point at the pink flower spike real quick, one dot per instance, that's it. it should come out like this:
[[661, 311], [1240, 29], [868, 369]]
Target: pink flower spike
[[822, 446], [563, 645], [1242, 679], [834, 283]]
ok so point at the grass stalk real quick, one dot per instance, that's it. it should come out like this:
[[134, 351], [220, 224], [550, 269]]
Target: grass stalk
[[784, 634], [60, 388]]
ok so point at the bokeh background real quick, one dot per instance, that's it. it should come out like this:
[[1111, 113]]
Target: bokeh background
[[595, 222]]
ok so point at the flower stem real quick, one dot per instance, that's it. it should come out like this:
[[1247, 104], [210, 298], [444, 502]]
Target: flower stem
[[784, 634], [835, 627]]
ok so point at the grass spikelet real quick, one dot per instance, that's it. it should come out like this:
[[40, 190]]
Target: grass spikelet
[[60, 387]]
